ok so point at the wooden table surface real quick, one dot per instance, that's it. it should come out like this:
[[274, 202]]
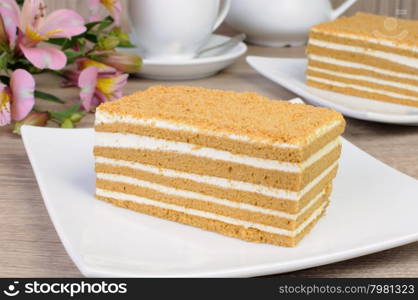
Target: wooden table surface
[[30, 247]]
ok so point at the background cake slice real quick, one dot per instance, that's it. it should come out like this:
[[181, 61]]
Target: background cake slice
[[367, 56], [235, 163]]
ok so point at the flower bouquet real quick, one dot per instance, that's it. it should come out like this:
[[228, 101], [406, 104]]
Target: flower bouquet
[[33, 41]]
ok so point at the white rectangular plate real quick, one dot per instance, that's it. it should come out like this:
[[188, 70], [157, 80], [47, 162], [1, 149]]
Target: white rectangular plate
[[290, 73], [373, 207]]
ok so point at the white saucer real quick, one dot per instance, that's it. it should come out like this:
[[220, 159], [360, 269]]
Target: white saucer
[[290, 73], [206, 65]]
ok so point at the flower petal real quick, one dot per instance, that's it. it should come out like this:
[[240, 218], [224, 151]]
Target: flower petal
[[87, 83], [109, 85], [45, 58], [3, 34], [62, 23], [5, 116], [22, 87], [9, 13], [31, 14], [84, 63], [12, 7]]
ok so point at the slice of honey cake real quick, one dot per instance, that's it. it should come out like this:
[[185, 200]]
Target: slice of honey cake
[[234, 163], [366, 55]]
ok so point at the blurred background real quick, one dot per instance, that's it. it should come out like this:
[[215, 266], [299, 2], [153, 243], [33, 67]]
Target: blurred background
[[400, 8]]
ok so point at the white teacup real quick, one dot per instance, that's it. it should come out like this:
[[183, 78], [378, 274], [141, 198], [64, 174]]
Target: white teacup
[[174, 29]]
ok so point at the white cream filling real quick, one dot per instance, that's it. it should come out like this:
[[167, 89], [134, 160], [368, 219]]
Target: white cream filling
[[104, 117], [392, 57], [379, 40], [350, 64], [199, 213], [202, 197], [133, 141], [361, 88], [366, 78], [221, 182]]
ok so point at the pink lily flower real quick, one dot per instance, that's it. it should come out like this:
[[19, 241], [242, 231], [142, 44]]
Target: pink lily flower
[[18, 100], [9, 19], [37, 28], [97, 87], [113, 6]]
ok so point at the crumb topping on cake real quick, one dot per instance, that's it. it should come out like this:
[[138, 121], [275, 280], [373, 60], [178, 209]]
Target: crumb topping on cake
[[240, 113], [398, 31]]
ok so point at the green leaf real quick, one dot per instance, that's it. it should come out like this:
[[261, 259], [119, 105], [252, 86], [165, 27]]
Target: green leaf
[[61, 116], [105, 24], [4, 60], [57, 41], [69, 43], [71, 56], [46, 96], [92, 24], [91, 37], [5, 79], [130, 45]]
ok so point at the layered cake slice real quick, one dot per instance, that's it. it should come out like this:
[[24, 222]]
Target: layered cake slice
[[234, 163], [368, 56]]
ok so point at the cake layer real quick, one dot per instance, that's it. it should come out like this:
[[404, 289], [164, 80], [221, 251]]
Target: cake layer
[[371, 42], [358, 91], [246, 117], [202, 202], [395, 87], [138, 142], [238, 191], [336, 65], [212, 222], [363, 56], [228, 171], [212, 162], [232, 143]]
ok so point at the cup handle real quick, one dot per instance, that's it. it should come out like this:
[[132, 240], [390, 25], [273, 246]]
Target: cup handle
[[342, 8], [226, 4]]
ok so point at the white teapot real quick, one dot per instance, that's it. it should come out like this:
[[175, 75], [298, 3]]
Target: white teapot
[[281, 22]]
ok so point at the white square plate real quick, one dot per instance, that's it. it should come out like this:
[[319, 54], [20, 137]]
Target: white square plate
[[290, 73], [373, 207]]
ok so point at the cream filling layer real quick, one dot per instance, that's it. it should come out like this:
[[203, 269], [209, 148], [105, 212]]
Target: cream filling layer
[[379, 40], [398, 85], [104, 117], [361, 88], [203, 214], [350, 64], [201, 197], [220, 182], [133, 141], [392, 57]]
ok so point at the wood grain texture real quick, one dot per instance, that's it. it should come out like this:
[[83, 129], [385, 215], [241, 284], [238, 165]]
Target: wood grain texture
[[29, 245]]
